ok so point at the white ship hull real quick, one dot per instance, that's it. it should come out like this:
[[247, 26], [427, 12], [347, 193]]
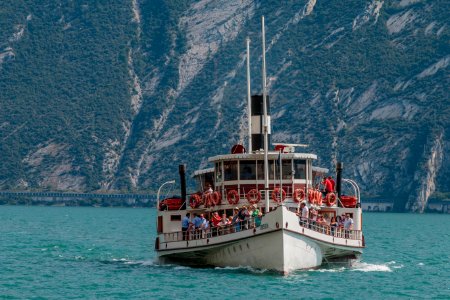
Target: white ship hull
[[280, 244]]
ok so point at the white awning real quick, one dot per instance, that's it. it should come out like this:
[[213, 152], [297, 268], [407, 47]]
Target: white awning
[[203, 171]]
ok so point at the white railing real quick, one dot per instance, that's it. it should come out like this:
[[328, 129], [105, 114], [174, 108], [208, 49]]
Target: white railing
[[336, 231], [198, 233]]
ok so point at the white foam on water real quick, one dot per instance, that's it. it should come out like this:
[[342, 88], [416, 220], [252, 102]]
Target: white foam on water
[[365, 267], [244, 268], [334, 270], [420, 264]]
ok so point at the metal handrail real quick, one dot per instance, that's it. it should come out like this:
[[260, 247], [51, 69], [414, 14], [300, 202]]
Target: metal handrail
[[198, 234], [333, 231], [355, 188]]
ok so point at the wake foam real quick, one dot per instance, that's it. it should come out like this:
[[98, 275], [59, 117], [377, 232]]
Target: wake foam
[[366, 267], [243, 269]]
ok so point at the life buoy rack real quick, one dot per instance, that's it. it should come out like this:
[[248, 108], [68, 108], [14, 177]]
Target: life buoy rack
[[299, 194], [233, 197], [331, 199], [319, 198], [195, 200], [253, 196], [216, 198], [276, 195]]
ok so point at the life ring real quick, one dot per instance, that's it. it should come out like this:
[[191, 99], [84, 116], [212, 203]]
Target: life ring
[[233, 197], [299, 194], [311, 197], [276, 193], [195, 200], [206, 198], [331, 199], [319, 198], [253, 196], [215, 198]]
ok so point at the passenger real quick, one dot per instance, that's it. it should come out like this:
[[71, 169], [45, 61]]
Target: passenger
[[333, 183], [327, 187], [244, 216], [185, 224], [304, 214], [256, 215], [348, 225], [313, 219], [204, 226], [208, 189], [223, 225], [236, 222], [216, 219], [333, 225]]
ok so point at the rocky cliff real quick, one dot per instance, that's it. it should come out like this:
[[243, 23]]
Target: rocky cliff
[[112, 95]]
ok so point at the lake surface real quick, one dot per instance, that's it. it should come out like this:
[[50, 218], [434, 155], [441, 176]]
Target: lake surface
[[75, 252]]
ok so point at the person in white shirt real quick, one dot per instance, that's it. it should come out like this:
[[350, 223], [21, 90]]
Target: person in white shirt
[[348, 225], [304, 214]]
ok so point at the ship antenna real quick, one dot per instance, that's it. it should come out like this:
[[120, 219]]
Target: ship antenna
[[265, 120], [249, 99]]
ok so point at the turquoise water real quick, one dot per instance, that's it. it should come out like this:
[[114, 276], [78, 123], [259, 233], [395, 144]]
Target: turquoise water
[[71, 252]]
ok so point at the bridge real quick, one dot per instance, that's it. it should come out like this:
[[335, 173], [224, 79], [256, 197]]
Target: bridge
[[69, 198]]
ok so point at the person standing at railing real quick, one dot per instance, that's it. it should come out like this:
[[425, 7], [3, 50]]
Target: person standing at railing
[[185, 224], [304, 214], [348, 225], [256, 215], [236, 221], [333, 225]]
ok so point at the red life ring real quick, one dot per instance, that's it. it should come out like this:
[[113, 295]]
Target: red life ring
[[233, 197], [299, 194], [276, 194], [253, 196], [195, 200], [215, 198], [318, 197], [331, 199], [207, 199], [311, 197]]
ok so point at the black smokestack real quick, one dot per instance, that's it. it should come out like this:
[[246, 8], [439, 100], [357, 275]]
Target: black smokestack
[[182, 171], [257, 122], [339, 167]]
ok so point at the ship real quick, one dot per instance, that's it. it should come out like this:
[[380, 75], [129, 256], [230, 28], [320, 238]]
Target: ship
[[262, 193]]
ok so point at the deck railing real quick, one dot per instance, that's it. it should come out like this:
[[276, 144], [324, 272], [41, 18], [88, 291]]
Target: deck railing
[[336, 231], [199, 233]]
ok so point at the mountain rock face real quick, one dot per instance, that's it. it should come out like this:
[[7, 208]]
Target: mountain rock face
[[114, 94]]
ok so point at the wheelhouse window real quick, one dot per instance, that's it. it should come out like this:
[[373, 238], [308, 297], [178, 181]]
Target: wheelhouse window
[[260, 169], [286, 169], [300, 169], [219, 171], [247, 169], [230, 170]]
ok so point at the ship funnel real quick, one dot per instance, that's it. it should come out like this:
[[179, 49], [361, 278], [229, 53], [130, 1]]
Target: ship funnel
[[339, 168], [257, 111], [182, 171]]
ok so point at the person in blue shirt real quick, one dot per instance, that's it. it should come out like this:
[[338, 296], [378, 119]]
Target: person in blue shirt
[[197, 221], [185, 224]]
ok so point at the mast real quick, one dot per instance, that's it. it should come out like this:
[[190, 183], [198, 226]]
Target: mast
[[249, 99], [265, 121]]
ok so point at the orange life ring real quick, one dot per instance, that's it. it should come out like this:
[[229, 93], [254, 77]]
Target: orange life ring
[[276, 194], [331, 199], [215, 198], [311, 197], [299, 194], [233, 197], [253, 196], [318, 197], [195, 200], [206, 198]]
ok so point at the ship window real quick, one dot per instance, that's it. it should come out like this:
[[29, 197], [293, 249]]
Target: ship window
[[286, 169], [299, 169], [218, 172], [260, 169], [230, 170], [175, 218], [247, 169]]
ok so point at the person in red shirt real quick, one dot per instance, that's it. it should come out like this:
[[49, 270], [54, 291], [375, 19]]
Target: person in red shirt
[[216, 219], [333, 183], [328, 186]]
